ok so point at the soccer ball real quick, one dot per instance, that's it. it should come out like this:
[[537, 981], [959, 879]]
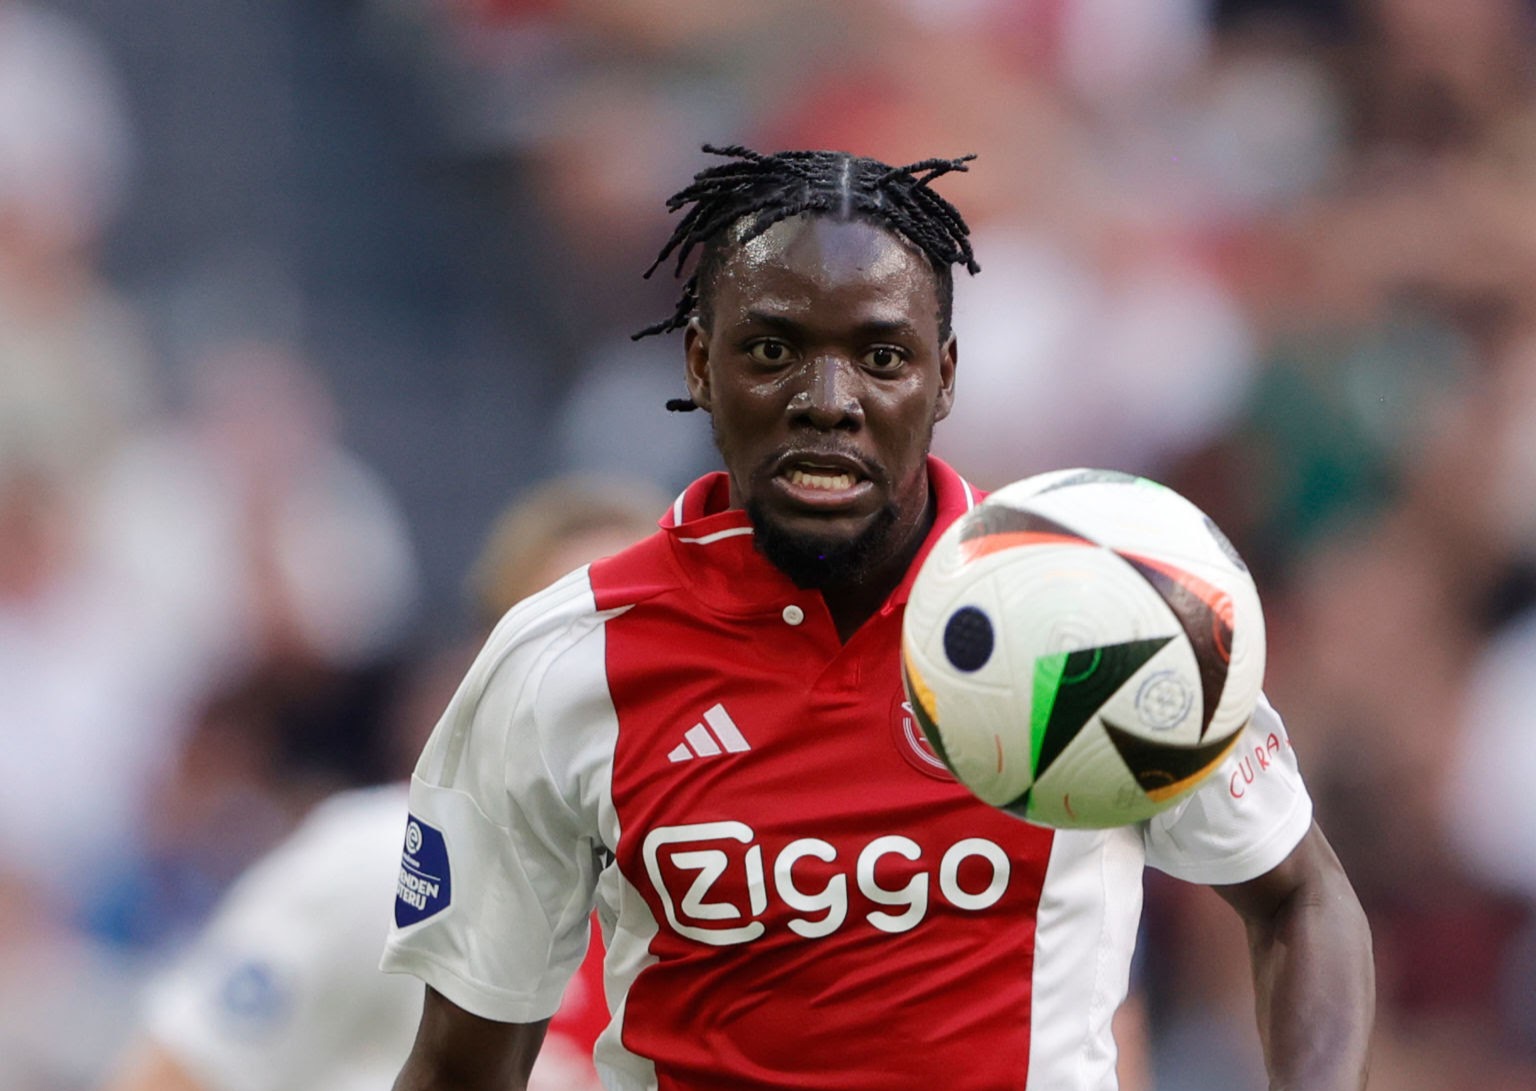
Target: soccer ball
[[1082, 648]]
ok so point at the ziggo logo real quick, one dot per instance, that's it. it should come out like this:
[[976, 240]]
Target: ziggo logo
[[708, 849]]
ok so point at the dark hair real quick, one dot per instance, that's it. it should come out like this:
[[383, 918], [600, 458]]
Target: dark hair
[[770, 188]]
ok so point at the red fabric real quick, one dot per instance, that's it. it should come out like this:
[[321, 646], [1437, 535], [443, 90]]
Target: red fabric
[[748, 990]]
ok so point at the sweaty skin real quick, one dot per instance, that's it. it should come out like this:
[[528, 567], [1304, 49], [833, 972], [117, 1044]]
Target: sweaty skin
[[823, 369]]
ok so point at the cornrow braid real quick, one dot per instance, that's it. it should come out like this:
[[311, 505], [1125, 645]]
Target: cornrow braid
[[730, 203]]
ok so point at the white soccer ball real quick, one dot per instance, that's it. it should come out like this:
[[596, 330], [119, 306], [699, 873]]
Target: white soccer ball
[[1083, 648]]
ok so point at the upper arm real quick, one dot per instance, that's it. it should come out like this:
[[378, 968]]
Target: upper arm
[[1310, 873], [1314, 978], [455, 1049], [500, 866]]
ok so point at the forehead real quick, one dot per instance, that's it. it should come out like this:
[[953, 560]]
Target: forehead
[[810, 261]]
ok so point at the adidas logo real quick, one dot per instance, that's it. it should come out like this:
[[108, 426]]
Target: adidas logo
[[701, 741]]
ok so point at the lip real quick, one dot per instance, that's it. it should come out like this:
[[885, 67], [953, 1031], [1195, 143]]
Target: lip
[[808, 479]]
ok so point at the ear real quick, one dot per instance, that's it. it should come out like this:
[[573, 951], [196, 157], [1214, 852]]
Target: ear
[[696, 362], [948, 358]]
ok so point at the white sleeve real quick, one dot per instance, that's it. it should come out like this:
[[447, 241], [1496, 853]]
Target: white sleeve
[[1247, 817], [281, 989], [500, 860]]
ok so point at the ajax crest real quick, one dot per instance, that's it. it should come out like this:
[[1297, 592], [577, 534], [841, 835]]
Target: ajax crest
[[910, 741]]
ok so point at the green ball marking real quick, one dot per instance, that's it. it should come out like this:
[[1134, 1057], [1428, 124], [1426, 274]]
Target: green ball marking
[[1070, 687], [1088, 667]]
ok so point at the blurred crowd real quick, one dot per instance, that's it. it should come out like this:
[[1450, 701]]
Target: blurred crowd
[[295, 297]]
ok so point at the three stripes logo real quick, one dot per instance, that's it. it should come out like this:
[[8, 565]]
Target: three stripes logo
[[716, 733]]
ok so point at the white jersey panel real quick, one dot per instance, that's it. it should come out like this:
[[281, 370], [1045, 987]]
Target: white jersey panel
[[1090, 907], [510, 807], [628, 941], [1247, 817], [282, 989]]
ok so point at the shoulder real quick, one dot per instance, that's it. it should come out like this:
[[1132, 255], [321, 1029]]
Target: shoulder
[[528, 697], [531, 638], [573, 604], [548, 649], [644, 570]]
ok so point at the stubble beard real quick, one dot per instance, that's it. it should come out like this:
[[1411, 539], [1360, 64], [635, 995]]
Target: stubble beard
[[816, 563]]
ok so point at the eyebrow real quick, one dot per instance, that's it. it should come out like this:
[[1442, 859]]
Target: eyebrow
[[874, 327]]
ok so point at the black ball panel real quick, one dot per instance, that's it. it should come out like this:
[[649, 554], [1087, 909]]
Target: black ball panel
[[968, 639]]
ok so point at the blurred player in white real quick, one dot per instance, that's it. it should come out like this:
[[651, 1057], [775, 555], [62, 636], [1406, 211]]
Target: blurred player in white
[[282, 990]]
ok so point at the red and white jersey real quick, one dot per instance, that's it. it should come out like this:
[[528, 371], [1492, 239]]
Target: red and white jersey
[[793, 890]]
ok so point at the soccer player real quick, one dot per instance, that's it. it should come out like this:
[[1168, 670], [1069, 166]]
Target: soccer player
[[704, 737], [282, 990]]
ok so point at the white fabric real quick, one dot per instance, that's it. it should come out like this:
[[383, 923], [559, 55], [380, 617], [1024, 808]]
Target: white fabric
[[1089, 910], [282, 992], [484, 782], [1244, 820]]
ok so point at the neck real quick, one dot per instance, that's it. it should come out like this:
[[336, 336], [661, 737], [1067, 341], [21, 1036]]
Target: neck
[[854, 602]]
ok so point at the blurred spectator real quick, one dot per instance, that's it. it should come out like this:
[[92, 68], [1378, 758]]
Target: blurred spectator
[[183, 620], [1435, 78], [277, 573], [609, 223], [73, 385], [596, 107], [73, 373], [81, 711], [1491, 807]]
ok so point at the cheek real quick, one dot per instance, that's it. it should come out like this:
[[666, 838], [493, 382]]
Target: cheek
[[735, 426], [917, 409], [915, 436], [746, 409]]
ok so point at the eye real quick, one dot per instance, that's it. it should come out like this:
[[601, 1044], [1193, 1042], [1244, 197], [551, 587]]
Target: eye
[[769, 352], [884, 358]]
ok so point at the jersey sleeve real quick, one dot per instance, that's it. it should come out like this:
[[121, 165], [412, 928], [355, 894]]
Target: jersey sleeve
[[1245, 819], [499, 863], [281, 988]]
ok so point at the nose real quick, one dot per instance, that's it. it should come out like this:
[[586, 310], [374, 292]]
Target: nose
[[829, 397]]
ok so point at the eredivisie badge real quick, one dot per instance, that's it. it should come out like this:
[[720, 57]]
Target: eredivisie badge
[[425, 887]]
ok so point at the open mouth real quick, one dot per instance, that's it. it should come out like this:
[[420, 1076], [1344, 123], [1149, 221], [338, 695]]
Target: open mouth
[[807, 477], [822, 481]]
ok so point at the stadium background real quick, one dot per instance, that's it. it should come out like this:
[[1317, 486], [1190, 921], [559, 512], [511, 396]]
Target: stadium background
[[296, 296]]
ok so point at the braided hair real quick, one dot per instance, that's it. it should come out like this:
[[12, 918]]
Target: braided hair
[[734, 202]]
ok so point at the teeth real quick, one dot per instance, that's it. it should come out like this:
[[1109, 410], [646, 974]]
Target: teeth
[[826, 481]]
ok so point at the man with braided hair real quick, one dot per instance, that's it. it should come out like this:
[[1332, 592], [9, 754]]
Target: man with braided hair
[[704, 736]]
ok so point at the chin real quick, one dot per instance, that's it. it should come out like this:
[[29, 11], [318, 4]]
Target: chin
[[816, 560]]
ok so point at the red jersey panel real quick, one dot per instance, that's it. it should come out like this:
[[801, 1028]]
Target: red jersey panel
[[833, 910]]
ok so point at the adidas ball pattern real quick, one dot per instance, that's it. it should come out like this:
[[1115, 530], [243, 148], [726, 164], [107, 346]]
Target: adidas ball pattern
[[1083, 648]]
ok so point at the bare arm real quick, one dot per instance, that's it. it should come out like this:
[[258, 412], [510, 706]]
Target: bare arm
[[1312, 969], [457, 1051]]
